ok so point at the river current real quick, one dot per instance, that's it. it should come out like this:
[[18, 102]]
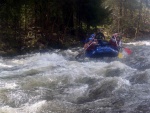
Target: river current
[[55, 82]]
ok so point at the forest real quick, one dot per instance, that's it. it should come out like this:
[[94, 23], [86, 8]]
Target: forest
[[28, 25]]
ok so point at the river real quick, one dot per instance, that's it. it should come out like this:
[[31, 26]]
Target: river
[[54, 82]]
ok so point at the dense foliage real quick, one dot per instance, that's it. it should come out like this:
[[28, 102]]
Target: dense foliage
[[30, 24], [131, 17]]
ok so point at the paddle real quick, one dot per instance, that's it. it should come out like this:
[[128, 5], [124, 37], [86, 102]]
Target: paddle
[[120, 55], [127, 50], [83, 51]]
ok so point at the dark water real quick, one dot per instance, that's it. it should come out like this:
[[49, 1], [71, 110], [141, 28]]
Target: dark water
[[54, 82]]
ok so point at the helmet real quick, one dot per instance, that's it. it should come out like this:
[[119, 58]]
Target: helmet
[[90, 39], [116, 34]]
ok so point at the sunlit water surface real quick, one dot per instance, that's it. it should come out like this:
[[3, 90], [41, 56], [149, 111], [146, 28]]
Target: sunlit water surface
[[55, 82]]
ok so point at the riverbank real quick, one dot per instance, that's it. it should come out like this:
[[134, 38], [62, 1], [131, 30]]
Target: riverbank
[[40, 47], [7, 52]]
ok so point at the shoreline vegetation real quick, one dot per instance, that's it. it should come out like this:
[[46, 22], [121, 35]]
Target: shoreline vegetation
[[68, 43], [37, 25]]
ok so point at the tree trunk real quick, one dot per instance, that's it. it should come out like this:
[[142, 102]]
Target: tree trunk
[[139, 20], [120, 15], [25, 26], [35, 10]]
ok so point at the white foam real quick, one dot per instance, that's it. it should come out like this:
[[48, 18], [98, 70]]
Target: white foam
[[10, 85], [4, 65], [118, 64], [34, 108], [147, 43], [122, 82], [7, 109], [74, 93], [16, 61]]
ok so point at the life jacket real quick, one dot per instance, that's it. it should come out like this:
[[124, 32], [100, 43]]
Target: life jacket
[[114, 42], [92, 35], [100, 36], [89, 46]]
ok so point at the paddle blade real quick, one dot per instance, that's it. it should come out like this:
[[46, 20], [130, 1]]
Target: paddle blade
[[120, 55], [127, 50]]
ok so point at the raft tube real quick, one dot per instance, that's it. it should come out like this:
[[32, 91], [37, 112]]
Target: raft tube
[[102, 51]]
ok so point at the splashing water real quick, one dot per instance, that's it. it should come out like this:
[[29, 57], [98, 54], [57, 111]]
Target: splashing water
[[54, 82]]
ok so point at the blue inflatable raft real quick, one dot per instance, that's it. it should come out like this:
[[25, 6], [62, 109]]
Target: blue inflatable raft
[[102, 51]]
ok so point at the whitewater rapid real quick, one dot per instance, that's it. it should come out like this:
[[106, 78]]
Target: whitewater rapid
[[55, 82]]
